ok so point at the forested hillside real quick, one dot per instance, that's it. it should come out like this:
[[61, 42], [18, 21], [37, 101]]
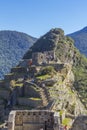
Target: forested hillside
[[80, 38], [13, 46]]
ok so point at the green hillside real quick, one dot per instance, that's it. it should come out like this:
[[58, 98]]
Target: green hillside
[[80, 38], [13, 46]]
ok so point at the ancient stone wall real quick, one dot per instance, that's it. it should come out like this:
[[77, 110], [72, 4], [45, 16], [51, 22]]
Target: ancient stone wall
[[50, 53], [2, 84], [18, 70], [24, 63], [30, 90], [31, 120], [29, 102], [9, 76], [39, 58]]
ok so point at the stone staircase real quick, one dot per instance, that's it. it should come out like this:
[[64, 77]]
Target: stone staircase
[[45, 96]]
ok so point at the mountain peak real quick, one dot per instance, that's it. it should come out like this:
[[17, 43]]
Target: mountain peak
[[57, 31], [84, 29], [49, 42]]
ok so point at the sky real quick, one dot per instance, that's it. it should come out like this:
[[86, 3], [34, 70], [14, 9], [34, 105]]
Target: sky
[[36, 17]]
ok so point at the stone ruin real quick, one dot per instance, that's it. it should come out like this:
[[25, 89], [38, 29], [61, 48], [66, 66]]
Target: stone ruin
[[31, 120], [45, 57]]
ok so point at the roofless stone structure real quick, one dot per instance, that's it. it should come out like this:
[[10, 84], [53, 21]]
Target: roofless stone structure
[[31, 120]]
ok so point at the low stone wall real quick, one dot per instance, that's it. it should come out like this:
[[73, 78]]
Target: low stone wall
[[31, 120], [18, 70], [31, 91], [9, 76], [4, 94], [49, 82], [2, 83], [29, 102]]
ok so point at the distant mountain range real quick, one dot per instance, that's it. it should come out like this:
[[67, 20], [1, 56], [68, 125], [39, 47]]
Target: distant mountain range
[[80, 38], [13, 46]]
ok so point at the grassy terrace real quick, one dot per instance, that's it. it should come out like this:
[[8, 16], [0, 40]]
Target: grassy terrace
[[43, 77], [35, 99], [31, 98]]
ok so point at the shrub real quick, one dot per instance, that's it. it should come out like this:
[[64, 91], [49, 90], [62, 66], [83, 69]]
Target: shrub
[[47, 70]]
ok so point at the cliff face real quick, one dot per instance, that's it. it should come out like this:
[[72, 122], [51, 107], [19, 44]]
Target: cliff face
[[66, 97]]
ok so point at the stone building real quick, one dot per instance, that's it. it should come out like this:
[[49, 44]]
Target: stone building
[[37, 58], [31, 120], [45, 57]]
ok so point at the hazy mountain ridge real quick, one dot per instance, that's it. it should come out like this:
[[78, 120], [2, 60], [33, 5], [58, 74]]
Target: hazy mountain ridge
[[80, 38], [13, 46]]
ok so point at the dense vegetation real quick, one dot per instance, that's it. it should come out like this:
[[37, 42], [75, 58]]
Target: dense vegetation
[[80, 38], [80, 84], [13, 46]]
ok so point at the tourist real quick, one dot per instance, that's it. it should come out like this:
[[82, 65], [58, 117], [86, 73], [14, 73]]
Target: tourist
[[65, 127], [61, 127], [41, 128], [30, 62]]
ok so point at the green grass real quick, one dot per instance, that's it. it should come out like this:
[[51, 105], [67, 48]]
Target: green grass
[[61, 112], [66, 121], [43, 77], [19, 85], [35, 99]]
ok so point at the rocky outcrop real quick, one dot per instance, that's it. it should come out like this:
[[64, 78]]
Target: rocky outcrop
[[80, 123]]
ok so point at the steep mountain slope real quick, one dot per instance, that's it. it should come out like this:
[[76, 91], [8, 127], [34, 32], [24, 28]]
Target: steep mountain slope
[[80, 38], [66, 53], [13, 46], [57, 84]]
